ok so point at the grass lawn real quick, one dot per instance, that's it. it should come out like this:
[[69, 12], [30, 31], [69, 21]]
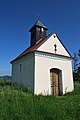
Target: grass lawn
[[18, 105]]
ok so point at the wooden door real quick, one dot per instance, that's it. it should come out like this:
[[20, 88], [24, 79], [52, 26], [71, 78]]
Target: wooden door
[[54, 77]]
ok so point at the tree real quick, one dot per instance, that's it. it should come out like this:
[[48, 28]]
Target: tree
[[79, 52], [76, 72], [75, 66]]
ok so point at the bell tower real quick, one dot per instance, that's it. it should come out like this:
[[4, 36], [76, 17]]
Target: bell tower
[[37, 31]]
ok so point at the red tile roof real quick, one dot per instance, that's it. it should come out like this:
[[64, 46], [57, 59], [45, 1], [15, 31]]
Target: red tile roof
[[33, 48]]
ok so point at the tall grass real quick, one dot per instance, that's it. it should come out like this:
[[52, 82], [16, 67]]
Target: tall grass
[[18, 105]]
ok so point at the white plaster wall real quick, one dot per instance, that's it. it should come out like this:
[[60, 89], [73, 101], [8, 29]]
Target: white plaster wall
[[43, 64], [48, 46], [26, 77]]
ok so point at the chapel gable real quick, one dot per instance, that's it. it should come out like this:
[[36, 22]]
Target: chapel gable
[[54, 45]]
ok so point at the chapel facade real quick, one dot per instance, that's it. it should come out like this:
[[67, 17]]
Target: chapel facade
[[46, 66]]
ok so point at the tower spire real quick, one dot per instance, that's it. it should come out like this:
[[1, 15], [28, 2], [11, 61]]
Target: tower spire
[[37, 31]]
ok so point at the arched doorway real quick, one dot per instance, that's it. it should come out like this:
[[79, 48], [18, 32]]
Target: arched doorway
[[56, 81]]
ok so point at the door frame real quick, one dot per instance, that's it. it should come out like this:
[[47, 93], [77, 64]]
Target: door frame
[[60, 80]]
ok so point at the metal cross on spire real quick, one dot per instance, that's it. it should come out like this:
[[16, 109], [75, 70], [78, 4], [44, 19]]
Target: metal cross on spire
[[55, 49], [38, 17]]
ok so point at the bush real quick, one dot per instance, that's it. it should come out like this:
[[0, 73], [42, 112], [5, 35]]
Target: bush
[[4, 82]]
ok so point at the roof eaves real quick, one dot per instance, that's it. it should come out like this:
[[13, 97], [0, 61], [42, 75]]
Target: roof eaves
[[54, 54], [40, 24], [28, 50], [20, 57]]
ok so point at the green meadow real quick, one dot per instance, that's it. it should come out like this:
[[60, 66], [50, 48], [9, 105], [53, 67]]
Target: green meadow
[[16, 104]]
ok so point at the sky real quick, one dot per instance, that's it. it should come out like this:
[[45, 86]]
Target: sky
[[18, 16]]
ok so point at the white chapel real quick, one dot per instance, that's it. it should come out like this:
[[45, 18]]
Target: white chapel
[[46, 66]]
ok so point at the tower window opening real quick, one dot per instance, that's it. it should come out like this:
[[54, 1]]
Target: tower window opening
[[41, 32]]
